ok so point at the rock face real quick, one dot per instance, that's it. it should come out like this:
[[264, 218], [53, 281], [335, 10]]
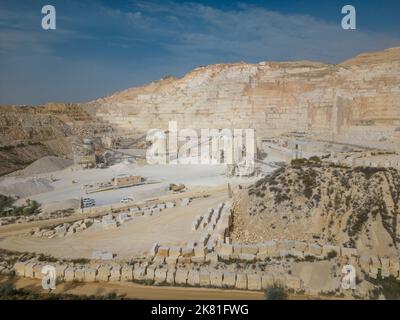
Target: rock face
[[323, 203], [30, 133], [357, 100]]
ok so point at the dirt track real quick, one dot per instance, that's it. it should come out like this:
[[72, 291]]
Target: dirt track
[[137, 291]]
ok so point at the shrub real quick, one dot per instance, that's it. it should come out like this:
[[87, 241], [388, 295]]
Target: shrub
[[275, 292]]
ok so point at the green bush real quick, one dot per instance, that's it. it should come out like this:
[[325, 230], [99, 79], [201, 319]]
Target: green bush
[[275, 292]]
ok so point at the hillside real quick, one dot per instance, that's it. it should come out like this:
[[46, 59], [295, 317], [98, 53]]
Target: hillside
[[323, 203]]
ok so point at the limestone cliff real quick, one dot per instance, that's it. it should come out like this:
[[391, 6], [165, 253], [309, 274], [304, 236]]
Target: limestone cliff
[[357, 100]]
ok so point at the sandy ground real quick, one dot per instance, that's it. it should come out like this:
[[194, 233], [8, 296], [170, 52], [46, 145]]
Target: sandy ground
[[170, 227], [64, 189]]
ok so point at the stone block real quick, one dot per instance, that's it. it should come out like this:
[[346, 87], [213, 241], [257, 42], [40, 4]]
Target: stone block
[[181, 276], [254, 282], [103, 273], [184, 260], [19, 268], [250, 249], [171, 276], [216, 279], [229, 279], [159, 260], [301, 246], [287, 244], [348, 252], [69, 274], [198, 259], [385, 263], [193, 278], [394, 267], [364, 262], [200, 251], [269, 248], [237, 249], [267, 280], [115, 273], [247, 257], [241, 281], [160, 275], [212, 257], [37, 271], [175, 252], [171, 260], [163, 252], [60, 271], [204, 276], [139, 271], [90, 274], [150, 273], [297, 253], [79, 274], [314, 250], [293, 282], [187, 252]]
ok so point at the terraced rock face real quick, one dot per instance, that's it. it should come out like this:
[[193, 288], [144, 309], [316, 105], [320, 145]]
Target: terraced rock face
[[325, 203], [30, 133], [357, 101]]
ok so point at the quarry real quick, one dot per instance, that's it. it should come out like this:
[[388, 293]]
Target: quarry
[[78, 192]]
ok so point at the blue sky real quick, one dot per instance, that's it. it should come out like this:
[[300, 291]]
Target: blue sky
[[100, 47]]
